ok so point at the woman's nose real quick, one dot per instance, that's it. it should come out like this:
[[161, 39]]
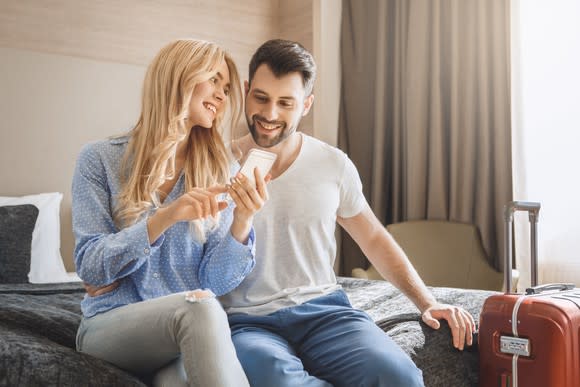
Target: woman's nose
[[220, 95]]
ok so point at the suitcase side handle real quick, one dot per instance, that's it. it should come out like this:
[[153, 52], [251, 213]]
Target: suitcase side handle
[[533, 209], [544, 288]]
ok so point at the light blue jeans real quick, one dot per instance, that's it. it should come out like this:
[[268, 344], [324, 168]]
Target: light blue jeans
[[148, 335], [323, 342]]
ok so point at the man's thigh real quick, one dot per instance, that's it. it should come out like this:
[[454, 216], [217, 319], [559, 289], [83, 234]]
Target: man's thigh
[[269, 360], [348, 349]]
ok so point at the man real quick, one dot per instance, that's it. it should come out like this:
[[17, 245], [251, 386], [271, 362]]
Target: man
[[292, 325]]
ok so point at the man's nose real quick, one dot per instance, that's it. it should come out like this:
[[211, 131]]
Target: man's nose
[[269, 111]]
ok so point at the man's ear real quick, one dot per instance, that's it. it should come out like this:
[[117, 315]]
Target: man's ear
[[308, 104], [246, 88]]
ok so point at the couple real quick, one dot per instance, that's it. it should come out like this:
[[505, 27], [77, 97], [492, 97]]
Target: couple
[[156, 241]]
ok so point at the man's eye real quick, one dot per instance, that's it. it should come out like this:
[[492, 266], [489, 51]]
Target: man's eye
[[213, 80], [261, 99]]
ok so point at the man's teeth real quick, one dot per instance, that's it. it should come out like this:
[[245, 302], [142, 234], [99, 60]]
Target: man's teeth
[[268, 126], [210, 107]]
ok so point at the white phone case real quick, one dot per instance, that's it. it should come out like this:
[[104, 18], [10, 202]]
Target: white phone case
[[258, 158]]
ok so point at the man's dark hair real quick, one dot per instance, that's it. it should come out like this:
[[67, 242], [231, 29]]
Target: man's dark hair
[[285, 57]]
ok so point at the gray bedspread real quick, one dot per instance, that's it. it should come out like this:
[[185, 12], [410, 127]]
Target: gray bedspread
[[432, 351], [38, 325]]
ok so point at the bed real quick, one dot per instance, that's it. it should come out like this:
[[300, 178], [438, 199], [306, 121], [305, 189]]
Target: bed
[[38, 323], [39, 320]]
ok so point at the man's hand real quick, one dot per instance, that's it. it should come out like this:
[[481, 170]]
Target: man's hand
[[249, 199], [460, 321], [94, 291]]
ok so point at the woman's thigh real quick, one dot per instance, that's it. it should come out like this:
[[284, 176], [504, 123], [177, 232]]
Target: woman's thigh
[[142, 337]]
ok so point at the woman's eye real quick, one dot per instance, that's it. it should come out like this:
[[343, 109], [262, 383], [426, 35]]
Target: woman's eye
[[226, 92]]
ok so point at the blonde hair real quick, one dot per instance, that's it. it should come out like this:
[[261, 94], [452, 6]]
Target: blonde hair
[[150, 156]]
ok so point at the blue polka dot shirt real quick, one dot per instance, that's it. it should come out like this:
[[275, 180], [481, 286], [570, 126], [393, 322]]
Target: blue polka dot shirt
[[175, 262]]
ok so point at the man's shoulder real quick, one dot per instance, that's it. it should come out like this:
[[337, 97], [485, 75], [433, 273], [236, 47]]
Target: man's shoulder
[[322, 148]]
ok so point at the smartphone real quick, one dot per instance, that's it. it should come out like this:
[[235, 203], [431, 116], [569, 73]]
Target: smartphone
[[258, 158]]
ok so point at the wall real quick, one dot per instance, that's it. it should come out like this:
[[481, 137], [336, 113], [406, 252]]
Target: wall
[[71, 72]]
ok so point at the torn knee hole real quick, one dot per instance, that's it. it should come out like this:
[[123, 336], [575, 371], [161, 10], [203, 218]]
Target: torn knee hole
[[199, 295]]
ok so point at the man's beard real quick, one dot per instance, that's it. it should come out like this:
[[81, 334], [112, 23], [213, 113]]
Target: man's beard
[[267, 141]]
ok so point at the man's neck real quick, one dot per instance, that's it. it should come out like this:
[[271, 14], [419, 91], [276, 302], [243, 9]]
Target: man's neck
[[287, 151]]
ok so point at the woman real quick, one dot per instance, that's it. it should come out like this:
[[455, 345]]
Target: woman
[[154, 242]]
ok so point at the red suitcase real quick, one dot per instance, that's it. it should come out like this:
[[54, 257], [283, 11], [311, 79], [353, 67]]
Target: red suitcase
[[531, 339]]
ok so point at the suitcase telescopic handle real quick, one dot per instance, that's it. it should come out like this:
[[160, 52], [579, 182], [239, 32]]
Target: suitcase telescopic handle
[[533, 210], [547, 287]]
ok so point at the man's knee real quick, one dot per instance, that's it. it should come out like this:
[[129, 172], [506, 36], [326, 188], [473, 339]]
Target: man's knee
[[264, 365], [266, 370], [390, 371]]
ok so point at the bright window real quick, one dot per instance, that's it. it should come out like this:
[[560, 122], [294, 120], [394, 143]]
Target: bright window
[[546, 132]]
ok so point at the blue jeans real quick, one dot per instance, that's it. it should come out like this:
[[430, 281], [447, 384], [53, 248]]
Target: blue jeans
[[322, 342]]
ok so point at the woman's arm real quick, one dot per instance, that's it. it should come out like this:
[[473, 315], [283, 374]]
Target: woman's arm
[[103, 253]]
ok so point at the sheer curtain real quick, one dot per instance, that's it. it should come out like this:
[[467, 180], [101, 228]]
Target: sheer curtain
[[425, 112], [546, 133]]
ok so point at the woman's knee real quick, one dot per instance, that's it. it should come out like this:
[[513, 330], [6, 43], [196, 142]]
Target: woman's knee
[[204, 312]]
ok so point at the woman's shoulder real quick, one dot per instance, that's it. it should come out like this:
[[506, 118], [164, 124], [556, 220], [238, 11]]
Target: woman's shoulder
[[105, 150]]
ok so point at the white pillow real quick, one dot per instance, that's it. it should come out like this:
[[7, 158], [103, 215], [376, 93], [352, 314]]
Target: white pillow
[[46, 265]]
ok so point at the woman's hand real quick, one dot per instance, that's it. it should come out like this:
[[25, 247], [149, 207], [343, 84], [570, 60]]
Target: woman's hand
[[198, 203], [248, 200]]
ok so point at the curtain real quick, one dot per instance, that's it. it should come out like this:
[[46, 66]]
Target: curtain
[[425, 112], [546, 134]]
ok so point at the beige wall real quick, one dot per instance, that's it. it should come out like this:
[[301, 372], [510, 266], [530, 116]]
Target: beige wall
[[71, 72]]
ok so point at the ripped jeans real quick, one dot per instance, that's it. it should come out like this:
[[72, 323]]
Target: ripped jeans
[[145, 336]]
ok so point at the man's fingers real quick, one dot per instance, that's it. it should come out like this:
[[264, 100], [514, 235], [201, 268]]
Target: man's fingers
[[245, 191], [261, 184], [470, 327], [94, 291], [430, 321]]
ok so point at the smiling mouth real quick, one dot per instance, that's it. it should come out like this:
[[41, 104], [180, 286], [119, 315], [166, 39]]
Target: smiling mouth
[[269, 126], [210, 107]]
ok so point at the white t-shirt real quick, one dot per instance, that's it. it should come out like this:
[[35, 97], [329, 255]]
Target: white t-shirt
[[295, 240]]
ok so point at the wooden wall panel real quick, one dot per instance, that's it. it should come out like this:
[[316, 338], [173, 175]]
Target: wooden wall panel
[[295, 23], [132, 31], [71, 72]]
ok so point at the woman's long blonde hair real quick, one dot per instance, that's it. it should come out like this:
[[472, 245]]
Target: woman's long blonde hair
[[150, 156]]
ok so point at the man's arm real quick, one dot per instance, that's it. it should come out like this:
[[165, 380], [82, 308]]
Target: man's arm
[[392, 263]]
